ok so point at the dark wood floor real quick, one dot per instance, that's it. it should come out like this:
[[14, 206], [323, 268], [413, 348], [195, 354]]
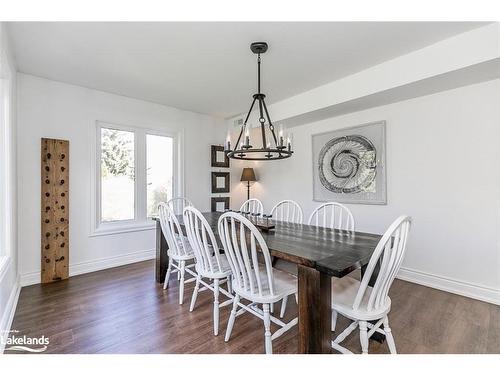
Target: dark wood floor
[[123, 310]]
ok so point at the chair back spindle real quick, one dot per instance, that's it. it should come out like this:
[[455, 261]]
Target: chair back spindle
[[389, 254], [240, 239], [172, 231], [332, 215], [253, 206], [287, 211], [202, 240], [178, 204]]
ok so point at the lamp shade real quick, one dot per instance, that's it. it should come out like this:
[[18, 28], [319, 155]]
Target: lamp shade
[[248, 175]]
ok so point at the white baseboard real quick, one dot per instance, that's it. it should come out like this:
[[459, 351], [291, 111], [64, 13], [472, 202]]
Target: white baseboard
[[110, 262], [95, 265], [462, 288], [30, 278], [8, 315]]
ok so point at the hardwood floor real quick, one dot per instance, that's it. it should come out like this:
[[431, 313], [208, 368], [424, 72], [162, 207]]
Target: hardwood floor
[[123, 310]]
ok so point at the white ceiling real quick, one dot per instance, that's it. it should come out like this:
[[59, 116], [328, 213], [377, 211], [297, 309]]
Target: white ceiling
[[208, 67]]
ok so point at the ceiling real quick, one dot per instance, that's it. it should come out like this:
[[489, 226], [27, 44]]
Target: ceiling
[[208, 67]]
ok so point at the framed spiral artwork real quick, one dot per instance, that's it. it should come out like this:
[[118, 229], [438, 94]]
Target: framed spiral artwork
[[349, 165]]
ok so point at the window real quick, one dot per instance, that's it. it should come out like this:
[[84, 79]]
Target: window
[[6, 155], [117, 175], [3, 168], [160, 166], [136, 170]]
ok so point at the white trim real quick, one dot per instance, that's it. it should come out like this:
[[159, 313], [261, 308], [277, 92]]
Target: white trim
[[8, 314], [179, 166], [30, 278], [123, 228], [447, 284], [110, 262], [6, 158], [95, 265]]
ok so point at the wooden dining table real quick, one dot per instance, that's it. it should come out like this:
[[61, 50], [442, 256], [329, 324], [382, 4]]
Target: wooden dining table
[[319, 254]]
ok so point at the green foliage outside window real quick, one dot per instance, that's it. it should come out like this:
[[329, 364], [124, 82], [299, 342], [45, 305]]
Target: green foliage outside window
[[117, 153]]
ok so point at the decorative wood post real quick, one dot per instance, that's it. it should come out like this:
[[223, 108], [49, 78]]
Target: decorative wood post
[[54, 210]]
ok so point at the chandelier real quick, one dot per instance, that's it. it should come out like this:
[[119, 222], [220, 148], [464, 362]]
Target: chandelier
[[273, 147]]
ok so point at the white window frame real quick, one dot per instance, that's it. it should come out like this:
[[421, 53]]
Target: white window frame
[[3, 172], [5, 164], [141, 221]]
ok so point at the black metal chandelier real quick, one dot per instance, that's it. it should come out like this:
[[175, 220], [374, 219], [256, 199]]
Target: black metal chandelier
[[243, 149]]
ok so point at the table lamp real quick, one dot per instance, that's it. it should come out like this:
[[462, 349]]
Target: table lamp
[[248, 175]]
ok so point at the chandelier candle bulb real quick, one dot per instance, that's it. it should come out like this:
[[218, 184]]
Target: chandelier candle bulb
[[247, 138], [289, 141], [268, 155], [280, 135]]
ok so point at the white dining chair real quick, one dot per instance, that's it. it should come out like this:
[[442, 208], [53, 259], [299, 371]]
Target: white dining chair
[[179, 249], [210, 263], [178, 204], [332, 215], [361, 303], [254, 282], [287, 211], [252, 206]]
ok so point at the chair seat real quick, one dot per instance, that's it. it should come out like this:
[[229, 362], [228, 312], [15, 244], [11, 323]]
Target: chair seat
[[226, 269], [189, 250], [285, 284], [344, 292]]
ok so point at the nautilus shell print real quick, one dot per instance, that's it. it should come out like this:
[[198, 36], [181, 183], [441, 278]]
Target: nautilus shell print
[[348, 164]]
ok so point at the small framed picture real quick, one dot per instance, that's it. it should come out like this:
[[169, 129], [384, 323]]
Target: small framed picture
[[219, 204], [220, 182], [219, 158]]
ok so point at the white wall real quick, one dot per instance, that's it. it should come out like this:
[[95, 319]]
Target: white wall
[[442, 169], [57, 110], [9, 285]]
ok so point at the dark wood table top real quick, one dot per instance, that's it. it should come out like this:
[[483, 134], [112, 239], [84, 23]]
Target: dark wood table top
[[333, 252]]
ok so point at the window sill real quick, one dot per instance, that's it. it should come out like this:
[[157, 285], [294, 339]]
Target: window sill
[[107, 230]]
